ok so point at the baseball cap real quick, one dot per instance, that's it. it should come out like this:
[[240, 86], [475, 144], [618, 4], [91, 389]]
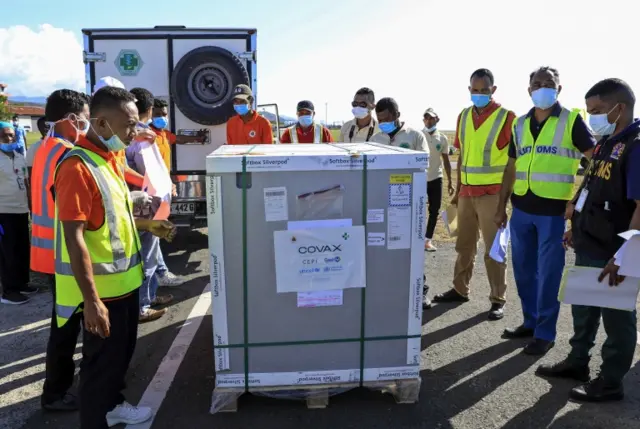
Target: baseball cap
[[305, 105], [242, 91], [431, 113], [107, 81]]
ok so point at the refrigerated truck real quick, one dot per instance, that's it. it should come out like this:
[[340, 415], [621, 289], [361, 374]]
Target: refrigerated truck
[[195, 71]]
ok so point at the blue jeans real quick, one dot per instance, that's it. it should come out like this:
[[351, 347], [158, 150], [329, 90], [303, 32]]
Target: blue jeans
[[538, 262], [162, 269], [150, 247]]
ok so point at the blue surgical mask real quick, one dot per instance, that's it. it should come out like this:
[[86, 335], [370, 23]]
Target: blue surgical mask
[[305, 120], [9, 147], [360, 112], [544, 98], [600, 123], [387, 127], [113, 143], [480, 100], [241, 109], [430, 129], [160, 122]]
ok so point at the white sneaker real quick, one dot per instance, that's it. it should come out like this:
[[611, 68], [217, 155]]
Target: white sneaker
[[169, 280], [128, 414]]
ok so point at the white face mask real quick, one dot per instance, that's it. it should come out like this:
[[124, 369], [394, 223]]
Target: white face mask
[[360, 112], [600, 123], [430, 129]]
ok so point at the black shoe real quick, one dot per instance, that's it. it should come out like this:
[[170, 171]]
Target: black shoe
[[496, 312], [538, 347], [519, 332], [14, 298], [450, 296], [28, 290], [598, 390], [564, 370], [67, 403]]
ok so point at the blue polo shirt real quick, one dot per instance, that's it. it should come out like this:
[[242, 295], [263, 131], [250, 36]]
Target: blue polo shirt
[[582, 139], [21, 138]]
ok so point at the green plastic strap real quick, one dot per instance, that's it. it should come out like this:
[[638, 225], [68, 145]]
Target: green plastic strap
[[312, 342], [245, 285], [363, 291]]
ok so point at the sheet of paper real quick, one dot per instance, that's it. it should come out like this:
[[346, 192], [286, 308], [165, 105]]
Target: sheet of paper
[[276, 207], [325, 298], [376, 239], [375, 216], [157, 181], [399, 228], [500, 245], [449, 218], [630, 254], [580, 286]]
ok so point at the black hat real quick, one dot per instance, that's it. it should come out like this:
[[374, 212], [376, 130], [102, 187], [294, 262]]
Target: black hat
[[305, 105]]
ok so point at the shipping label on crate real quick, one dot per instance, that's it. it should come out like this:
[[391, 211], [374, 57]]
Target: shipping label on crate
[[309, 260]]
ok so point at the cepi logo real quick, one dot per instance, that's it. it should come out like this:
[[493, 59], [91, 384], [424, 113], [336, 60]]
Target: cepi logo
[[320, 249], [334, 259]]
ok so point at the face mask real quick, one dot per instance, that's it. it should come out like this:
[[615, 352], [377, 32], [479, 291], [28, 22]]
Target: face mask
[[480, 100], [387, 127], [360, 112], [600, 123], [160, 122], [9, 147], [430, 129], [241, 109], [544, 98], [305, 120], [113, 143]]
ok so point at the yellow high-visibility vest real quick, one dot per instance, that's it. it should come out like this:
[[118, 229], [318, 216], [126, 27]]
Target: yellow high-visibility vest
[[317, 133], [548, 165], [482, 163], [114, 248]]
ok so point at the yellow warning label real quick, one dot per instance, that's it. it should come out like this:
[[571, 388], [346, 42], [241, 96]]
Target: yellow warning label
[[400, 179]]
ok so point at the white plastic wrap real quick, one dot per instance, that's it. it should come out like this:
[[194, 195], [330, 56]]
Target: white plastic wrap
[[321, 204]]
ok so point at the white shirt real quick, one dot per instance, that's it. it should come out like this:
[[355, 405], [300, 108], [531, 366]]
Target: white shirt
[[31, 153], [13, 189], [406, 137], [438, 144], [359, 134]]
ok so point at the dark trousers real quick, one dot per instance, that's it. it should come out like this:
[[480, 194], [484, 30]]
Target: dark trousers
[[60, 367], [619, 325], [15, 251], [434, 200], [105, 363]]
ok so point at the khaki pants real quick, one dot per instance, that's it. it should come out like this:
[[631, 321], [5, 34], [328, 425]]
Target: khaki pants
[[475, 215]]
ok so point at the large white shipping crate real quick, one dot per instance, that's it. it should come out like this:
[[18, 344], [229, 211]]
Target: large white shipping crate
[[317, 256]]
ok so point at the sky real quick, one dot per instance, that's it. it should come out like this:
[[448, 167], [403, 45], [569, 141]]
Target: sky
[[420, 52]]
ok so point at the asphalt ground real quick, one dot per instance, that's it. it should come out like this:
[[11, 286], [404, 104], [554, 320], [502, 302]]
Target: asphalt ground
[[471, 377]]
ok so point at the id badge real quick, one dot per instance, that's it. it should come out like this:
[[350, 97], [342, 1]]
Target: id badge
[[21, 185], [581, 200]]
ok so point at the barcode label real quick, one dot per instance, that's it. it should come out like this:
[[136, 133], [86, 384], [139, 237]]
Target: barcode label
[[395, 238], [274, 194]]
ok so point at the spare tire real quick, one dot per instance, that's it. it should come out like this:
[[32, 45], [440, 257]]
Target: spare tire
[[202, 84]]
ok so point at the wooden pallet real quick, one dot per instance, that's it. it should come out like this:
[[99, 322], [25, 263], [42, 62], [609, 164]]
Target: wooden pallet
[[317, 396]]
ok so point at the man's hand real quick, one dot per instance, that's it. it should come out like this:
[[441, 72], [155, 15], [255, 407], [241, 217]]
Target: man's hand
[[611, 270], [174, 190], [501, 218], [568, 212], [454, 200], [567, 239], [163, 229], [96, 318], [141, 200], [202, 135], [451, 189]]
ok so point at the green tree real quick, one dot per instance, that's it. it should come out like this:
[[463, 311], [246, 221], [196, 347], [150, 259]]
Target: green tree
[[5, 114]]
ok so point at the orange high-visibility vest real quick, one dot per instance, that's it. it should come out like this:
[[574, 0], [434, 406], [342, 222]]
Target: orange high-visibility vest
[[42, 204]]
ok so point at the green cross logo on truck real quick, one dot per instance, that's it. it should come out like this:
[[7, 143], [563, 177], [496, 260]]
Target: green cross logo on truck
[[128, 62]]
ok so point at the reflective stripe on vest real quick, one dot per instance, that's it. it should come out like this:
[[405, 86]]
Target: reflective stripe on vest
[[43, 206], [489, 170], [317, 134], [547, 169], [129, 279]]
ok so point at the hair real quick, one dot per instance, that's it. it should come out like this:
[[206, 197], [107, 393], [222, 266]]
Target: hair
[[613, 89], [387, 103], [368, 93], [144, 99], [110, 97], [554, 72], [15, 117], [62, 102], [482, 73], [41, 121], [159, 104]]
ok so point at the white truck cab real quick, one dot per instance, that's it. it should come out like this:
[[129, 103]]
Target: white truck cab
[[195, 71]]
